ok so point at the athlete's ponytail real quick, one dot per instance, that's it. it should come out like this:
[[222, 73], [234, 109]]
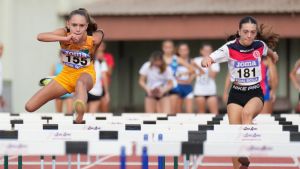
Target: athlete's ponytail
[[268, 36]]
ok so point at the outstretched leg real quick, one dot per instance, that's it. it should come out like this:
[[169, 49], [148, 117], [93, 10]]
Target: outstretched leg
[[51, 91]]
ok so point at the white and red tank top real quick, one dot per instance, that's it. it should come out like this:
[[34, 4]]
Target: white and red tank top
[[244, 63]]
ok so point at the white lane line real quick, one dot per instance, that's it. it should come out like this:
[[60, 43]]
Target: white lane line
[[97, 162]]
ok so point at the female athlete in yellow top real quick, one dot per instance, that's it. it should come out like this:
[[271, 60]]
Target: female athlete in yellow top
[[78, 42]]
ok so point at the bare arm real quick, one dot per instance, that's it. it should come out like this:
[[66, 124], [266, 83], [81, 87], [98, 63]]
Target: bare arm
[[211, 73], [142, 83], [207, 61], [98, 38], [273, 76], [273, 55], [167, 87], [185, 64], [273, 79], [105, 85], [226, 88], [105, 82], [201, 71], [293, 76], [57, 35], [192, 77], [110, 70]]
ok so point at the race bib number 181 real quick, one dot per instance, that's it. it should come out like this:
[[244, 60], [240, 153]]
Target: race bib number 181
[[246, 71]]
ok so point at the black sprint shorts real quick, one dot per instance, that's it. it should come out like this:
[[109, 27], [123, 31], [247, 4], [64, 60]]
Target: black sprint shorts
[[242, 94]]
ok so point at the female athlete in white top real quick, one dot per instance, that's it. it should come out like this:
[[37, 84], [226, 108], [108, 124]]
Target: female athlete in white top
[[205, 90], [96, 94]]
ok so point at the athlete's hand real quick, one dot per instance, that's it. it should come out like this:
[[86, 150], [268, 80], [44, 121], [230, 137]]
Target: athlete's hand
[[68, 38], [156, 92], [149, 92], [76, 38], [161, 92], [206, 62]]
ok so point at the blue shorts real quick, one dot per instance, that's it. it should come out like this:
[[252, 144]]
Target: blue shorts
[[66, 96], [267, 96], [182, 90]]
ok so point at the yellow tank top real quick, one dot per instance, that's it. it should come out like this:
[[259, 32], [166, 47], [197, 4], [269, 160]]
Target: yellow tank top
[[78, 56]]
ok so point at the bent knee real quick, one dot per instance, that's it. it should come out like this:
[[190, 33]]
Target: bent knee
[[29, 107], [246, 113], [79, 82], [83, 84]]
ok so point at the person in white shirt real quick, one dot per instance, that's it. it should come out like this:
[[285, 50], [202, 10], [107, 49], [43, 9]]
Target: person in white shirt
[[100, 89], [156, 80], [174, 62], [1, 76], [205, 90]]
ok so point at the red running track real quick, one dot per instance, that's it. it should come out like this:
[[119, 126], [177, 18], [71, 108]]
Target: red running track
[[133, 162]]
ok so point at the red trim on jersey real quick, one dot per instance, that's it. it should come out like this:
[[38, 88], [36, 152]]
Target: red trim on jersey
[[239, 56]]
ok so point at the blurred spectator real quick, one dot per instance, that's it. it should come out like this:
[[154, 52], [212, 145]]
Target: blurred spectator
[[99, 92], [184, 77], [2, 102], [109, 59], [156, 80], [269, 81], [205, 89], [65, 99]]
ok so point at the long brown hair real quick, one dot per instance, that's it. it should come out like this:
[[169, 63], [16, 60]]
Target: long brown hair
[[158, 55], [92, 25], [267, 35]]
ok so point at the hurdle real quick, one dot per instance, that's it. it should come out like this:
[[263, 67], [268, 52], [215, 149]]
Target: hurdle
[[59, 148], [166, 136]]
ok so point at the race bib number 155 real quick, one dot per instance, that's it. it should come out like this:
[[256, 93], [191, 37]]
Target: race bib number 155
[[75, 59], [76, 62]]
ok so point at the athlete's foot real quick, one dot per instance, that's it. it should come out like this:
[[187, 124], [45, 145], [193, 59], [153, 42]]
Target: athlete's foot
[[244, 162], [79, 109], [46, 80]]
